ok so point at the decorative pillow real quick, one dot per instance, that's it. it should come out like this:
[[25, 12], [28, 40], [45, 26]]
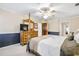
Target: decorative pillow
[[76, 37], [71, 36]]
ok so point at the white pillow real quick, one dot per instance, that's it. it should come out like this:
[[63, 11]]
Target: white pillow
[[76, 37]]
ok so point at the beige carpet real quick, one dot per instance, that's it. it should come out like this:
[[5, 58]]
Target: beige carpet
[[14, 50]]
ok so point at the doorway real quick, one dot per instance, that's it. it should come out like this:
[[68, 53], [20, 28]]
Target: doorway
[[65, 28]]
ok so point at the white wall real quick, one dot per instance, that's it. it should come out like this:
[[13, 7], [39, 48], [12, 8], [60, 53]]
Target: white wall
[[55, 25], [9, 22], [74, 23]]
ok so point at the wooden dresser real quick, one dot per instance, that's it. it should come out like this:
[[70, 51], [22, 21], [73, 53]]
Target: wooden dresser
[[33, 34], [26, 35], [23, 37]]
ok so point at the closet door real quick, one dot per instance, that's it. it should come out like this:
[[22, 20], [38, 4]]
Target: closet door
[[44, 29]]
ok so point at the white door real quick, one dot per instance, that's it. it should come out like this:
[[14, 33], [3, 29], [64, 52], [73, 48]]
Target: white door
[[39, 29], [65, 28]]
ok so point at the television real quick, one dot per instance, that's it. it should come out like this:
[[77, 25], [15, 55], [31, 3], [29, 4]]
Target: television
[[23, 27]]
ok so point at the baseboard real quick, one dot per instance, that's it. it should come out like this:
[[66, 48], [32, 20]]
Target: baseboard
[[53, 33], [9, 39]]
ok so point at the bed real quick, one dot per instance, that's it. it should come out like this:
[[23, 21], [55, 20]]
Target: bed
[[48, 45], [54, 45]]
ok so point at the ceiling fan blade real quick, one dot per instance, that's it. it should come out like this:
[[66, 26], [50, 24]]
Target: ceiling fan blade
[[77, 4]]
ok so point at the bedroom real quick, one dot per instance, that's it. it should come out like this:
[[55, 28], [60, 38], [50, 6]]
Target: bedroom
[[61, 19]]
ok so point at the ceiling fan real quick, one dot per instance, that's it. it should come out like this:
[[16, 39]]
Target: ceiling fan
[[44, 11], [47, 11], [77, 4]]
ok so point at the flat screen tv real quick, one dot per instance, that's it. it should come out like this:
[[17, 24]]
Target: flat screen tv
[[23, 27]]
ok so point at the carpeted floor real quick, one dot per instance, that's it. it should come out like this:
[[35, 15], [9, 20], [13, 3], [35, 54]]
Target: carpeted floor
[[14, 50]]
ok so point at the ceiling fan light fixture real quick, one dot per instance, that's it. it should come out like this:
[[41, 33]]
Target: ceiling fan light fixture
[[53, 11], [45, 16], [45, 9]]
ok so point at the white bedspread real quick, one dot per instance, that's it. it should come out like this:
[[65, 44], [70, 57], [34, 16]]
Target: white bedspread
[[50, 46], [35, 41]]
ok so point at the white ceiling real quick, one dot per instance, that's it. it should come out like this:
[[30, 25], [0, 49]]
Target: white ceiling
[[63, 10]]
